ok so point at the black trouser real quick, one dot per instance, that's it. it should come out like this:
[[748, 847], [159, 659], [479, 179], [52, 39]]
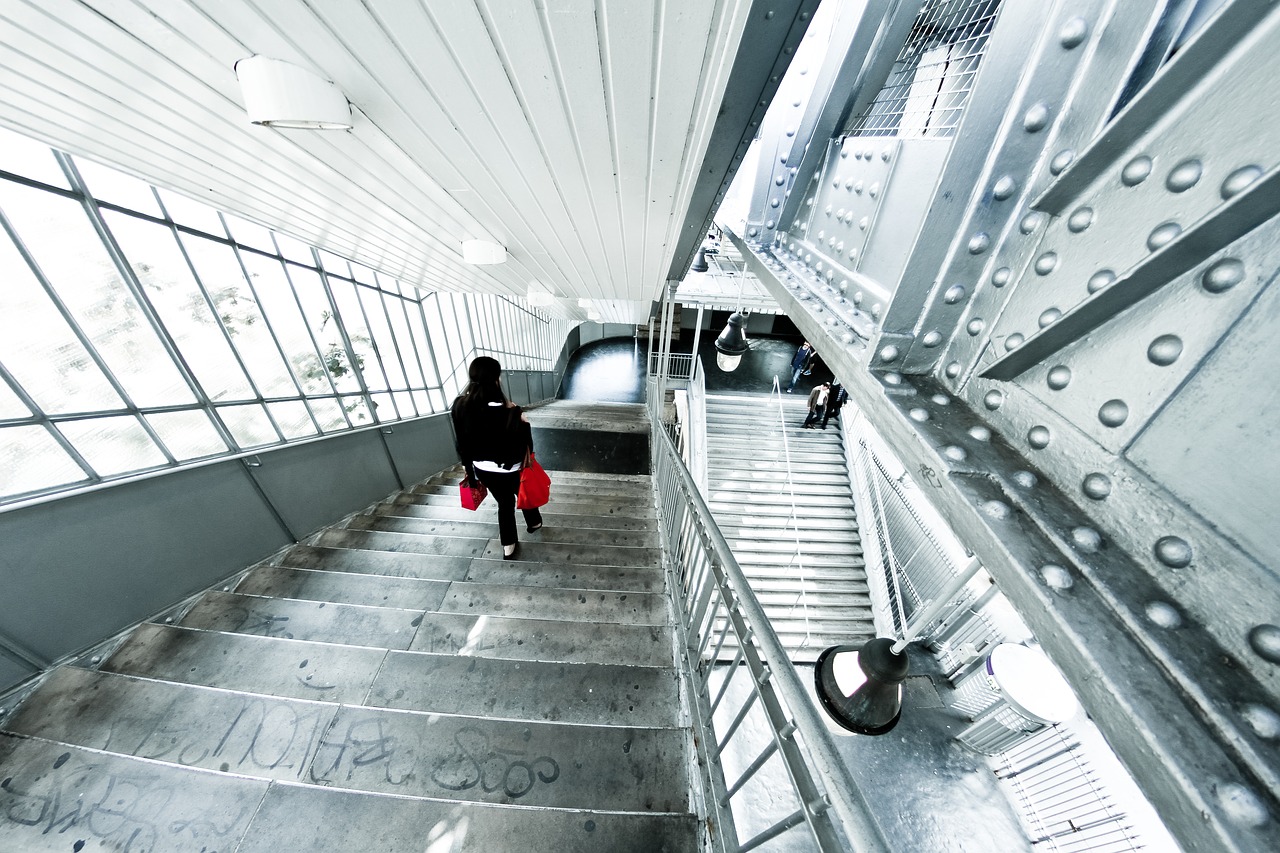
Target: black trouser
[[815, 415], [504, 487]]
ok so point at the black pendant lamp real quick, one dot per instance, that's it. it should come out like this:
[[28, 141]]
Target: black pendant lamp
[[861, 687], [732, 343], [700, 261]]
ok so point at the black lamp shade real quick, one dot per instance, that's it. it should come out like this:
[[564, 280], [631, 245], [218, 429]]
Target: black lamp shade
[[700, 261], [861, 688], [732, 343]]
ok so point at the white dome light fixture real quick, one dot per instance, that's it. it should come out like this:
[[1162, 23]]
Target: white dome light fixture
[[482, 252], [539, 297], [281, 94]]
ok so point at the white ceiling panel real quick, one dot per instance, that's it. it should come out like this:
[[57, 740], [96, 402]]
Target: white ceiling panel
[[570, 131]]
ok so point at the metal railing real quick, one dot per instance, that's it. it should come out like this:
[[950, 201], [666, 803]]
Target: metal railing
[[793, 520], [696, 430], [679, 365], [712, 599]]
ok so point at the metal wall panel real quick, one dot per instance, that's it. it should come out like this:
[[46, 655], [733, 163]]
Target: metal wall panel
[[422, 447], [902, 211]]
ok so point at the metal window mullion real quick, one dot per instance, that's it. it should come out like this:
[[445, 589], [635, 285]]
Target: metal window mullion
[[302, 312], [341, 326], [373, 342], [466, 309], [82, 337], [404, 302], [395, 343], [41, 418], [426, 332]]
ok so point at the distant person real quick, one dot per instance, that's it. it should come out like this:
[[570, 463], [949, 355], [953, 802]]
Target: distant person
[[800, 362], [817, 404], [493, 438], [836, 398]]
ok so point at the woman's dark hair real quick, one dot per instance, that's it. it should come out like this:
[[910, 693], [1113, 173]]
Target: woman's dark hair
[[484, 387]]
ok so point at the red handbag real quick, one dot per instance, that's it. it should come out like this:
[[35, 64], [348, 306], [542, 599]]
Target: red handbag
[[535, 485], [472, 494]]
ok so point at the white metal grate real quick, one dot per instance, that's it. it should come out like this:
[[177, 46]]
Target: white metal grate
[[928, 88]]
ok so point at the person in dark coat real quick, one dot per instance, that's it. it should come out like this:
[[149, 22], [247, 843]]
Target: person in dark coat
[[817, 405], [836, 397], [799, 363], [494, 438]]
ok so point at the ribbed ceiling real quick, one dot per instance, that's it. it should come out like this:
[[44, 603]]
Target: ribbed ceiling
[[570, 131]]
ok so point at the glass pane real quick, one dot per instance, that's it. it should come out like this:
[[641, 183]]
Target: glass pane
[[106, 184], [249, 233], [466, 340], [357, 410], [384, 342], [160, 266], [248, 425], [408, 347], [189, 434], [238, 307], [344, 296], [423, 401], [294, 250], [404, 404], [293, 418], [66, 247], [334, 264], [294, 332], [328, 413], [31, 460], [38, 348], [451, 353], [384, 407], [30, 158], [362, 274], [438, 403], [114, 445], [11, 406], [319, 315], [191, 213]]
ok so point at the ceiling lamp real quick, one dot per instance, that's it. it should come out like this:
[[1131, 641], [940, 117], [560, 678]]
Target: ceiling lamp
[[700, 261], [280, 94], [483, 252], [732, 343], [538, 297]]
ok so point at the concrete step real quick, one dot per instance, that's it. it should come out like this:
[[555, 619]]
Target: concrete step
[[559, 604], [804, 493], [560, 497], [560, 504], [407, 507], [777, 475], [451, 546], [571, 480], [766, 503], [756, 561], [489, 530], [787, 545]]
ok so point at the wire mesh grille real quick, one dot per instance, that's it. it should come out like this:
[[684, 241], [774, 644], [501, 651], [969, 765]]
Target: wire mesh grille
[[929, 86]]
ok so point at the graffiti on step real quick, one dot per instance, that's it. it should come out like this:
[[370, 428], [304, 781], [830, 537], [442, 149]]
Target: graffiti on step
[[473, 760], [81, 799]]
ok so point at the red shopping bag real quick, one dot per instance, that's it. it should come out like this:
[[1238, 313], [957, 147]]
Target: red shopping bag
[[535, 485], [472, 494]]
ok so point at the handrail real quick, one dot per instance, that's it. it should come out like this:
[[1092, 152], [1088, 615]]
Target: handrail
[[697, 429], [801, 600], [705, 569]]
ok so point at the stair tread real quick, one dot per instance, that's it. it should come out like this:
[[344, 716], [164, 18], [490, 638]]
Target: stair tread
[[551, 514], [489, 530]]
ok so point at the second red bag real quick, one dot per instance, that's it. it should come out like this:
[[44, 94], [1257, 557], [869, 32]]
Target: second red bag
[[535, 485]]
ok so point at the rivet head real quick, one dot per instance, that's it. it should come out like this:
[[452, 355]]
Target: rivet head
[[774, 202], [888, 353], [1238, 180], [1163, 234], [1061, 161], [754, 232], [979, 243], [979, 433], [1222, 275], [769, 224], [1096, 486], [1030, 222], [848, 183], [1038, 437], [1173, 551], [1240, 805], [1265, 642], [1036, 118], [1100, 279], [954, 453], [1164, 350], [1000, 277], [1049, 316], [1136, 171], [1073, 33], [918, 415], [953, 370], [1056, 577], [1080, 219], [780, 180], [1014, 341], [892, 379], [954, 294], [993, 399], [873, 190], [1086, 539], [1059, 377], [1164, 615], [997, 509], [1264, 721], [1184, 176], [941, 400], [1046, 263], [932, 339], [1113, 413], [857, 188], [975, 327], [1004, 188], [864, 222], [1025, 479]]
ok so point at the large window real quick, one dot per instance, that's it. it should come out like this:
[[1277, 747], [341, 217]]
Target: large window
[[141, 330]]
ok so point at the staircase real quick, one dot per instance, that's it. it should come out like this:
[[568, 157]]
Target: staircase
[[391, 684], [805, 566]]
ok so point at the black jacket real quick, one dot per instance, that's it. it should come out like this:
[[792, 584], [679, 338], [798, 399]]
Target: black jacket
[[492, 433]]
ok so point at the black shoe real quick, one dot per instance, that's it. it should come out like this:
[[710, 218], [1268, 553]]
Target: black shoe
[[535, 527], [515, 553]]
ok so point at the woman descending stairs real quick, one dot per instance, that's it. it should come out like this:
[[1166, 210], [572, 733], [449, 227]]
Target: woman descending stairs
[[796, 537], [390, 684]]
